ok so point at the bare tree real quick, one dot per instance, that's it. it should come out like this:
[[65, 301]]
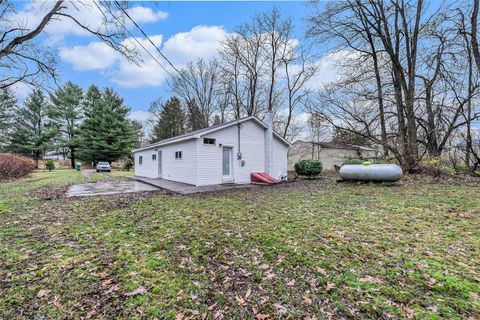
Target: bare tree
[[25, 59], [243, 65], [299, 69], [197, 86]]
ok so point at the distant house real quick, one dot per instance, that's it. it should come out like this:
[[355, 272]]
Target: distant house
[[459, 152], [225, 153], [329, 154]]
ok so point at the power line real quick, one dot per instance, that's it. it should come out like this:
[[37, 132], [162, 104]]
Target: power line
[[153, 44], [136, 40]]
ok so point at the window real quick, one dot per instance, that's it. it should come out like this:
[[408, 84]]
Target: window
[[208, 141], [140, 159], [154, 157], [178, 155]]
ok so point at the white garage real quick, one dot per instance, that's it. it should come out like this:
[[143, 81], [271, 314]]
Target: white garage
[[225, 153]]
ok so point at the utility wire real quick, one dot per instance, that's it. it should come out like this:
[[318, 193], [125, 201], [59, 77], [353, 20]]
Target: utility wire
[[136, 40], [148, 38]]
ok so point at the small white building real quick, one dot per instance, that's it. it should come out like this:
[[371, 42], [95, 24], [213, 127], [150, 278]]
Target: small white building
[[224, 153]]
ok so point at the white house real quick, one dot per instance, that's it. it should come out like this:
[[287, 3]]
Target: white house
[[224, 153]]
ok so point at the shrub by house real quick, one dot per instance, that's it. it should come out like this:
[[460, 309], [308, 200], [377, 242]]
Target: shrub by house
[[308, 168]]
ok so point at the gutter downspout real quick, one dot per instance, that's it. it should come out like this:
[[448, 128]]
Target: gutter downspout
[[269, 142], [239, 153]]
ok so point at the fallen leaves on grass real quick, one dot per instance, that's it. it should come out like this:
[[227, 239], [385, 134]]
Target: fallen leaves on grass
[[322, 271], [371, 279], [43, 293], [330, 286], [140, 290], [290, 283]]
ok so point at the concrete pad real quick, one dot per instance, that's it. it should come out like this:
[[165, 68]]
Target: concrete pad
[[185, 189], [108, 187]]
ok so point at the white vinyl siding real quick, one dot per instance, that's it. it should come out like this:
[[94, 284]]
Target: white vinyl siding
[[148, 168], [201, 164], [209, 169], [184, 169], [280, 159]]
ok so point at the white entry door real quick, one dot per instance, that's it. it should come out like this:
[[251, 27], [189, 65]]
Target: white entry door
[[227, 163], [159, 156]]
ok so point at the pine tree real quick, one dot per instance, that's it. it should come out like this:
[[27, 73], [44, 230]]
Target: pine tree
[[33, 133], [139, 133], [106, 133], [8, 104], [171, 121], [66, 112]]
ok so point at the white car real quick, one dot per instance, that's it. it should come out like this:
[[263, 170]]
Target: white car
[[104, 166]]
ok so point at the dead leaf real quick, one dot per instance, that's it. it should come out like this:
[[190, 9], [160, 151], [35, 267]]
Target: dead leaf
[[56, 302], [280, 309], [409, 313], [261, 316], [240, 300], [210, 308], [307, 300], [179, 316], [322, 271], [330, 286], [140, 309], [43, 293], [371, 279], [474, 295], [115, 287], [310, 317], [248, 293], [432, 308], [291, 283], [218, 315], [264, 266], [91, 313], [140, 290], [270, 275]]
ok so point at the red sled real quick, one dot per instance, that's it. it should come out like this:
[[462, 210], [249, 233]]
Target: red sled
[[262, 178]]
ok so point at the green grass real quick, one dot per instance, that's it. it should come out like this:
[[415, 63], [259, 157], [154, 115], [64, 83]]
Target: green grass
[[308, 248]]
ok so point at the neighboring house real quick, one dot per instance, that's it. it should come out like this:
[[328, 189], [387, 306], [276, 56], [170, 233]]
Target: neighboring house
[[225, 153], [329, 154], [459, 152]]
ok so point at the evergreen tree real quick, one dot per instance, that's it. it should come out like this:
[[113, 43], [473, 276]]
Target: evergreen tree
[[33, 133], [8, 104], [171, 121], [66, 112], [139, 133], [106, 133]]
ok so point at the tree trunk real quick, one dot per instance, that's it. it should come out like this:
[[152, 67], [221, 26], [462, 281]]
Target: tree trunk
[[72, 157]]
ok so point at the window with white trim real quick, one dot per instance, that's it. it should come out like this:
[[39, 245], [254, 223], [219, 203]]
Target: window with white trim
[[140, 159], [209, 141], [178, 155], [154, 157]]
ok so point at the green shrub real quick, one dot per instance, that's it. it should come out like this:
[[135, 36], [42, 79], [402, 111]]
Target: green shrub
[[353, 161], [308, 168], [50, 165], [127, 165]]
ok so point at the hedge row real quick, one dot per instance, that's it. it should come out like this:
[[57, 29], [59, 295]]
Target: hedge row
[[13, 166]]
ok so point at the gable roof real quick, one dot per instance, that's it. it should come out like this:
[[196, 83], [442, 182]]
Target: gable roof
[[201, 132]]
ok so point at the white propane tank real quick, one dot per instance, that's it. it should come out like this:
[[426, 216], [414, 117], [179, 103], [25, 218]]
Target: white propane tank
[[371, 172]]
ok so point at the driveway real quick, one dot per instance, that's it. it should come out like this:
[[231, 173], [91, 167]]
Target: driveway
[[106, 187]]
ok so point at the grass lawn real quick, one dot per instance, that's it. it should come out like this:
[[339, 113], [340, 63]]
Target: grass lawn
[[306, 250]]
